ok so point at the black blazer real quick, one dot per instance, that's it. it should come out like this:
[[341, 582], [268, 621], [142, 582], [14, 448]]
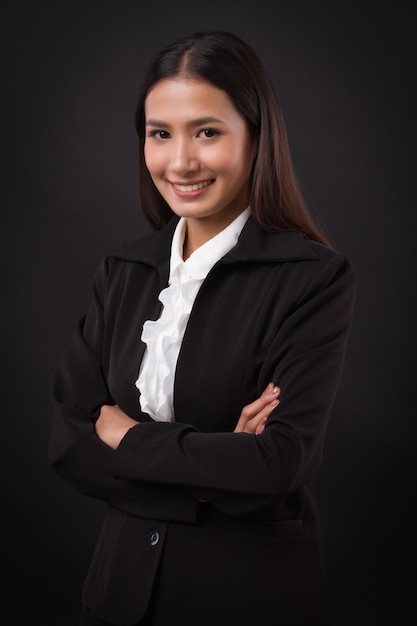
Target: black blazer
[[276, 308]]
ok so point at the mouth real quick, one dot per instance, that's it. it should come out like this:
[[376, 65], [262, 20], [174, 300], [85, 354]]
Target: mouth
[[188, 187]]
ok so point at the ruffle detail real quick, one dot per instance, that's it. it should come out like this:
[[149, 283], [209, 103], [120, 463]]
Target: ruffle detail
[[163, 337]]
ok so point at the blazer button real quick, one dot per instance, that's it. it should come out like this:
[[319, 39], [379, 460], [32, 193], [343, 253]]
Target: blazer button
[[153, 537]]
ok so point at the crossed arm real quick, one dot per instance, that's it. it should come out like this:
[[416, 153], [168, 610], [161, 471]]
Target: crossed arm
[[113, 424]]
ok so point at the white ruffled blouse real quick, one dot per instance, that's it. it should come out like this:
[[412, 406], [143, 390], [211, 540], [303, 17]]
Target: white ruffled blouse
[[163, 337]]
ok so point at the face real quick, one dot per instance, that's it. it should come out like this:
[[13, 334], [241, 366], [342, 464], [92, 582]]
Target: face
[[198, 151]]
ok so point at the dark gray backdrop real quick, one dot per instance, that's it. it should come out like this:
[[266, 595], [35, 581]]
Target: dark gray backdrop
[[344, 73]]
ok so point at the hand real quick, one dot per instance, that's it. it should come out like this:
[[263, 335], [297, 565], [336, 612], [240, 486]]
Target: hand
[[112, 425], [253, 417]]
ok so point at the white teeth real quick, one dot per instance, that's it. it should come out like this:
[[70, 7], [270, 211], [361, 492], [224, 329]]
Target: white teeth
[[193, 187]]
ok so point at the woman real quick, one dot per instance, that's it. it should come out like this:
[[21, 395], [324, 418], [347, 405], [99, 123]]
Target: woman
[[194, 395]]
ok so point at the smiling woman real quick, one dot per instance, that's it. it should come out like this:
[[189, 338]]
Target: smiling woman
[[199, 153], [195, 393]]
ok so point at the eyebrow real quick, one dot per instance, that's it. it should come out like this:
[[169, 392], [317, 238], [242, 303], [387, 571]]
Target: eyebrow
[[201, 121]]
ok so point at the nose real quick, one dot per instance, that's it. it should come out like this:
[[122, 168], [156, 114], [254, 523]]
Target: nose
[[184, 156]]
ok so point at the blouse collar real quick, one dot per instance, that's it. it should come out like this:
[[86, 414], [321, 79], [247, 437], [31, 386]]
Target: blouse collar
[[200, 262]]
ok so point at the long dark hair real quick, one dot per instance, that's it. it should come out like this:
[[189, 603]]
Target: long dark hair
[[230, 64]]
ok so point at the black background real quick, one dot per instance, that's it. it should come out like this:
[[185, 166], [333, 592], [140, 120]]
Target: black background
[[345, 75]]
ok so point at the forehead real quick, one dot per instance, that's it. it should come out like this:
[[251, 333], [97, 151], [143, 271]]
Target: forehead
[[182, 97]]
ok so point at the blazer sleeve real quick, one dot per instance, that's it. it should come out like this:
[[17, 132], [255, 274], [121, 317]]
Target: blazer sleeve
[[75, 453], [238, 472]]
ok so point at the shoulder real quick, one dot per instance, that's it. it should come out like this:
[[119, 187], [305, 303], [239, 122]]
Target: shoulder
[[139, 255], [330, 278], [304, 265], [148, 247], [334, 259], [151, 248], [327, 255], [258, 245], [328, 267]]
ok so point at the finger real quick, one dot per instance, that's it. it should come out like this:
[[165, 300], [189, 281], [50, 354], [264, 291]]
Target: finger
[[270, 393], [261, 427], [251, 410], [253, 424], [265, 412]]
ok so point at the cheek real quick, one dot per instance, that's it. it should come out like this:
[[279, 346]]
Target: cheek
[[225, 159], [235, 157], [153, 159], [237, 166]]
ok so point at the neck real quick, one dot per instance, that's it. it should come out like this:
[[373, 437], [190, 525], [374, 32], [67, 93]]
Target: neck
[[200, 230]]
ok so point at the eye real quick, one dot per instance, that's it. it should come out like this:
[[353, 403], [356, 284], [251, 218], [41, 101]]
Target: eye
[[159, 134], [207, 133]]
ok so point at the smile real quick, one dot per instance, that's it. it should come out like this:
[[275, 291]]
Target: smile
[[193, 186]]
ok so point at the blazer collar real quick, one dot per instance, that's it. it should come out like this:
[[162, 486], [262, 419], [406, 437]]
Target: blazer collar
[[254, 244]]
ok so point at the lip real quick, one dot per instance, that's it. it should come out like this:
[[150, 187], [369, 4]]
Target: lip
[[191, 188]]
